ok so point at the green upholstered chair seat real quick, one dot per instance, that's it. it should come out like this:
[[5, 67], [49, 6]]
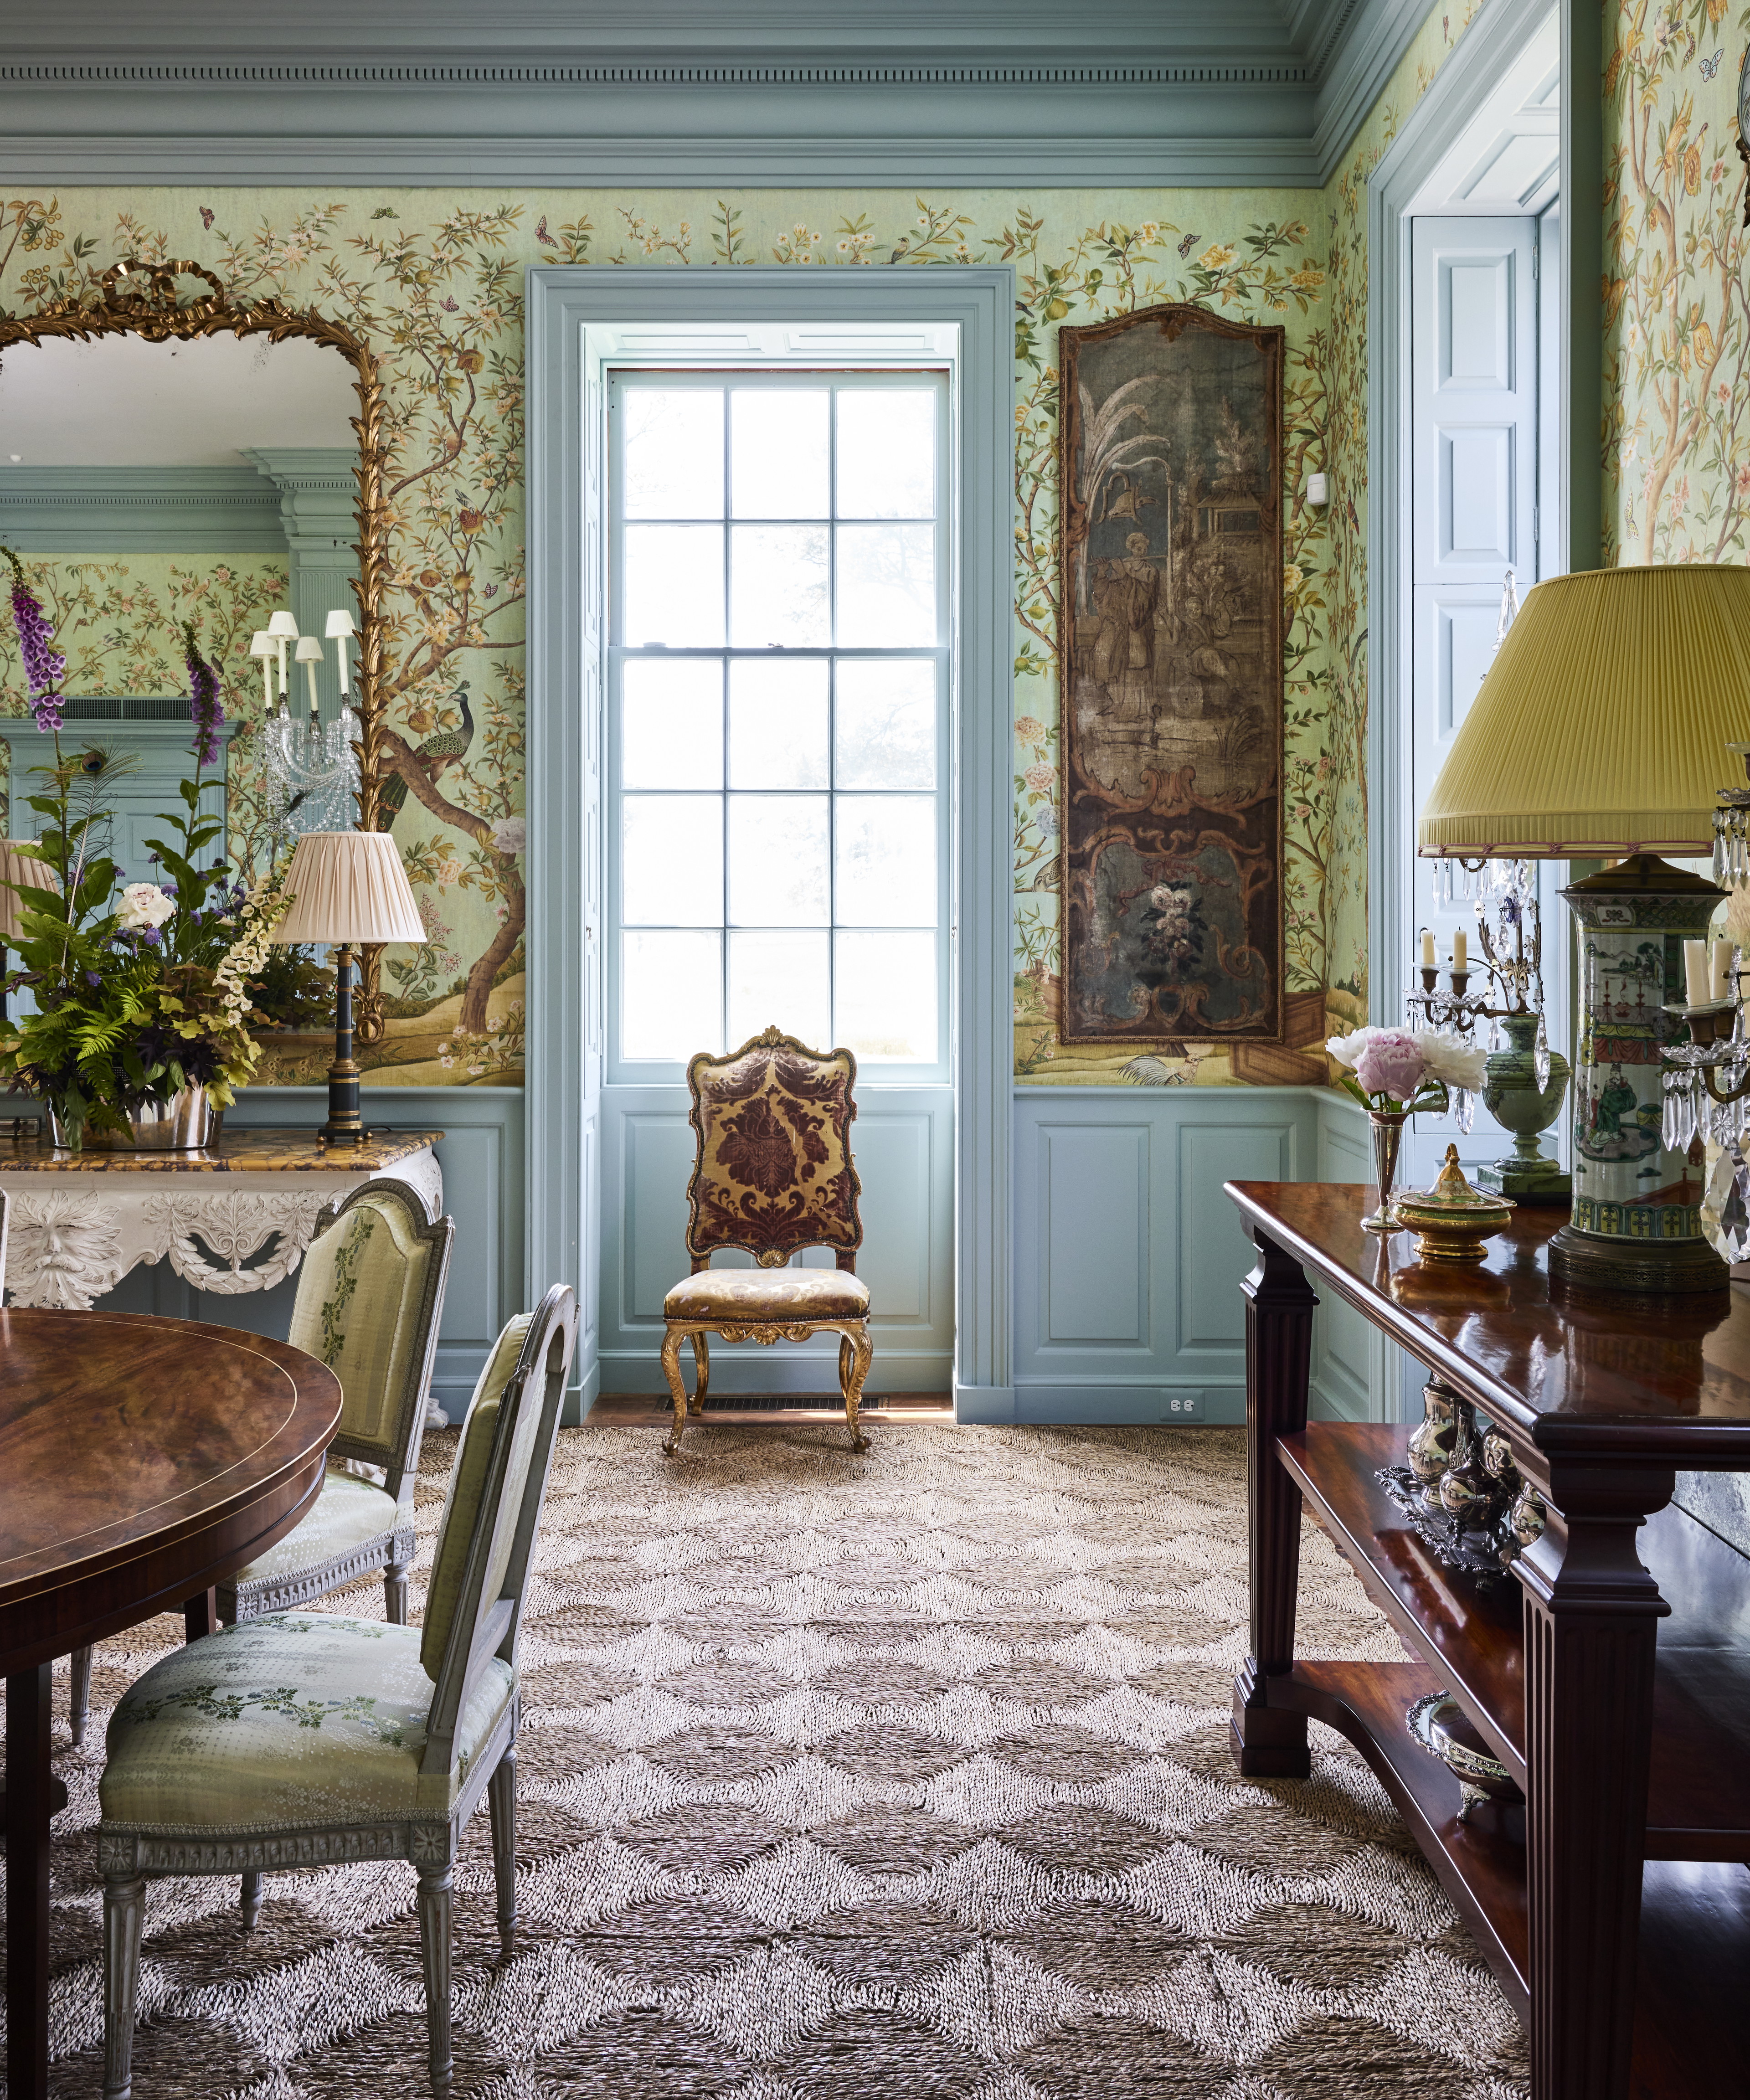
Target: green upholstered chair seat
[[294, 1721], [350, 1513]]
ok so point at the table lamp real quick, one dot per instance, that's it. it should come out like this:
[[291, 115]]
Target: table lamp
[[1599, 731], [347, 887]]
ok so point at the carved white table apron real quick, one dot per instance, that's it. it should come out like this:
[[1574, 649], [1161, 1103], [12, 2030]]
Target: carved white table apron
[[233, 1218]]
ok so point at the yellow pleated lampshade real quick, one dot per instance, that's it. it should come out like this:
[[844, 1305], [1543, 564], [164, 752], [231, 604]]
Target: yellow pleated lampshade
[[19, 866], [349, 886], [1603, 724]]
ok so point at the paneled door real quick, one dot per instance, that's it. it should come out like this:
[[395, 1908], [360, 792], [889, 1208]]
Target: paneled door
[[1475, 514]]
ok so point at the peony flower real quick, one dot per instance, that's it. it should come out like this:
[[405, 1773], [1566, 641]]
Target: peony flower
[[510, 835], [144, 904], [1450, 1059], [1392, 1064]]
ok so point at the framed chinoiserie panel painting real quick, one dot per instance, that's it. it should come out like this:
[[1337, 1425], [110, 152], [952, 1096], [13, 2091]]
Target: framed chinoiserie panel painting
[[1171, 661]]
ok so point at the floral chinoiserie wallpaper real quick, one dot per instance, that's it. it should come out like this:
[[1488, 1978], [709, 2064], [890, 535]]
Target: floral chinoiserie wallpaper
[[434, 281], [1676, 297]]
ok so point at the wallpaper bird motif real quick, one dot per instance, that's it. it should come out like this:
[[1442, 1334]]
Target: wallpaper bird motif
[[435, 282]]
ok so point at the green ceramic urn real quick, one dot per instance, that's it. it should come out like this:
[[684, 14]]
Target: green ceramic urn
[[1512, 1096]]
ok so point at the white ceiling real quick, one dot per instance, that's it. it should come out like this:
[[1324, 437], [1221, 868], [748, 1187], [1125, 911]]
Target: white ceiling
[[120, 401]]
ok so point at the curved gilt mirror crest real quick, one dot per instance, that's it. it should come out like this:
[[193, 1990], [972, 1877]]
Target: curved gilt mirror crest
[[151, 300]]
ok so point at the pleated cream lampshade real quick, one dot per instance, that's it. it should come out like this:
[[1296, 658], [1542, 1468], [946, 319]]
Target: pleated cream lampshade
[[16, 866], [1603, 724], [349, 888]]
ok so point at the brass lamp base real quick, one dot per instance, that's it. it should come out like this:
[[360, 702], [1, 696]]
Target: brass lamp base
[[1592, 1261]]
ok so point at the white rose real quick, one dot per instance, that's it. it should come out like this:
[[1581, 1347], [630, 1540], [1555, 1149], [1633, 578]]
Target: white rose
[[143, 904]]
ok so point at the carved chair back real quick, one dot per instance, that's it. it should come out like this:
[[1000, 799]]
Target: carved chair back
[[370, 1294], [773, 1171], [492, 1512]]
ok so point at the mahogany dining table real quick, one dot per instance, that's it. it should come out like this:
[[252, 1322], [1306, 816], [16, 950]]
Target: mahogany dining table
[[141, 1461]]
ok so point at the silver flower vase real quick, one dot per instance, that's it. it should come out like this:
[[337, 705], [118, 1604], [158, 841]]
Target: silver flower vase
[[1388, 1135]]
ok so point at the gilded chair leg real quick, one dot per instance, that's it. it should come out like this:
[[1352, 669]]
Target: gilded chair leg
[[124, 1914], [79, 1702], [501, 1790], [434, 1902], [702, 1364], [860, 1350], [677, 1389], [252, 1900]]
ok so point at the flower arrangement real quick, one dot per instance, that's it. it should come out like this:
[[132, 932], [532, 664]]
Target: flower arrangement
[[1400, 1070], [141, 994]]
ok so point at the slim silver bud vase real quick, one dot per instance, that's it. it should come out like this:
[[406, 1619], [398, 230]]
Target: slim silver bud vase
[[1388, 1135]]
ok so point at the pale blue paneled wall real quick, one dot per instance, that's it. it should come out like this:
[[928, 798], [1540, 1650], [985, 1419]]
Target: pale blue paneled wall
[[1128, 1259]]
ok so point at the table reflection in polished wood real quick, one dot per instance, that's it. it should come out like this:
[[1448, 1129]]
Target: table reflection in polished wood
[[1545, 1354], [141, 1460]]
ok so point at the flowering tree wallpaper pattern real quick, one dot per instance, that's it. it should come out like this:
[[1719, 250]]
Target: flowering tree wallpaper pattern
[[434, 283]]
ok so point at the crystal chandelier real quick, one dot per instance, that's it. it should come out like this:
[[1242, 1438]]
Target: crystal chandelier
[[313, 770]]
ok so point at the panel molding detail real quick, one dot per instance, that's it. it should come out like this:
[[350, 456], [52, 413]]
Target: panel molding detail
[[1129, 1257]]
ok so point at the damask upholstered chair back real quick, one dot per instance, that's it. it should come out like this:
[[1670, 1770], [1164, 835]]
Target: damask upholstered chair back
[[773, 1173], [368, 1292], [491, 1513]]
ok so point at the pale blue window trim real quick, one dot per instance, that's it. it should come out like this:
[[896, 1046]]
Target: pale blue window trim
[[579, 321], [623, 1069]]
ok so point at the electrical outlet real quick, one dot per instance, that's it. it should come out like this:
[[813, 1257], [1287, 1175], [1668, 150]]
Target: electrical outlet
[[1181, 1407]]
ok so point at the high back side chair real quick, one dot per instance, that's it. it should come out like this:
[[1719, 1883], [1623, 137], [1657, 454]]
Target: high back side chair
[[296, 1739], [772, 1174], [370, 1295]]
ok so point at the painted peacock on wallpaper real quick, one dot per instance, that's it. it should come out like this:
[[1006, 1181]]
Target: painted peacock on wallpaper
[[437, 755]]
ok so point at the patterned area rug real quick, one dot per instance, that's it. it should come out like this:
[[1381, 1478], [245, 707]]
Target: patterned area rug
[[902, 1778]]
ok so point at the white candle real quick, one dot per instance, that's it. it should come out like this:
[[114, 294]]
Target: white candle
[[266, 685], [1459, 962], [309, 672], [1427, 949], [1721, 985], [340, 644], [1696, 975]]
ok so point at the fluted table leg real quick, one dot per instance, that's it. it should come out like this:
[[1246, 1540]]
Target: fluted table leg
[[1592, 1613], [1280, 1304]]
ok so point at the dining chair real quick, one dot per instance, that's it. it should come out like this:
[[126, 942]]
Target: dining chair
[[772, 1174], [296, 1739], [370, 1295]]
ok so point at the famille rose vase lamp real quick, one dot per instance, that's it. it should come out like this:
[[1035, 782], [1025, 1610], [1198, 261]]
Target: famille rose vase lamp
[[1597, 733], [347, 889]]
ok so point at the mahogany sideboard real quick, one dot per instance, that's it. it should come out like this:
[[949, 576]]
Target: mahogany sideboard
[[1612, 1677]]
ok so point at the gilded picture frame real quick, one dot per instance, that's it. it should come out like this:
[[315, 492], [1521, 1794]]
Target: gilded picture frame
[[151, 300]]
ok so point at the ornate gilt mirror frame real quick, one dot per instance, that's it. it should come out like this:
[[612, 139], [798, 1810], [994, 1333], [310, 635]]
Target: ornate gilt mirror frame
[[142, 298]]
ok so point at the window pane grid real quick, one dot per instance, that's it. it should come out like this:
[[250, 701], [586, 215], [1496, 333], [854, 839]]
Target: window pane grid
[[752, 951]]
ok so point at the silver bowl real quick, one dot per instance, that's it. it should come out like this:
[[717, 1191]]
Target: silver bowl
[[1446, 1731]]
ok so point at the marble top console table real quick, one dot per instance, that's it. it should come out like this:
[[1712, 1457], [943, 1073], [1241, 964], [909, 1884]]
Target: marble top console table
[[234, 1218]]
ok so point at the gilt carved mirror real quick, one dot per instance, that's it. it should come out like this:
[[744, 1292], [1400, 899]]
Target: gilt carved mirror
[[244, 445]]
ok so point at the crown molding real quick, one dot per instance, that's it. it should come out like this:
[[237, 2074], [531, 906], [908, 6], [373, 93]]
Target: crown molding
[[139, 510], [1262, 92]]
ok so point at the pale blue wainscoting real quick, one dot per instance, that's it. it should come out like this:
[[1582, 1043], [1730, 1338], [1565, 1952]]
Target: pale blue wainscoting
[[904, 1146], [1128, 1259], [482, 1157]]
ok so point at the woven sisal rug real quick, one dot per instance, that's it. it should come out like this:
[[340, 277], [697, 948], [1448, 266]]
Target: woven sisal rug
[[900, 1778]]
